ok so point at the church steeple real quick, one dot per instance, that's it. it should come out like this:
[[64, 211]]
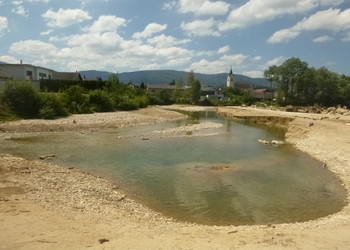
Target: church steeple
[[230, 80]]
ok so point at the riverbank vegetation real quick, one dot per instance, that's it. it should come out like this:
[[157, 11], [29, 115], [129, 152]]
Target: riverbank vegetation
[[292, 83], [295, 83]]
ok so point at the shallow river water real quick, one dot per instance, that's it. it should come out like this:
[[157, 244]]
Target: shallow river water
[[216, 176]]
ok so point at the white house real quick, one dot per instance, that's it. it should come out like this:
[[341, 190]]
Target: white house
[[26, 72]]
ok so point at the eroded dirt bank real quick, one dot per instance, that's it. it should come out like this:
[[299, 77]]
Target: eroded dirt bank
[[43, 206]]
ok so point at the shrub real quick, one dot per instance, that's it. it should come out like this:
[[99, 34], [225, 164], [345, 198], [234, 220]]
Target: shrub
[[51, 106], [76, 101], [100, 101], [142, 101], [127, 104], [22, 98], [6, 114]]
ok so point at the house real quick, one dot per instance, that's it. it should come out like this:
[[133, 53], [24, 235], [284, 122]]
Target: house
[[26, 71], [210, 93], [155, 89], [244, 86], [3, 78], [67, 76], [262, 94], [36, 73]]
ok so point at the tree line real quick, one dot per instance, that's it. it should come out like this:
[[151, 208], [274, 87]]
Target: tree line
[[56, 98], [295, 83]]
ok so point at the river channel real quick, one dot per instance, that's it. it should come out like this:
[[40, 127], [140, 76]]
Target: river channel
[[219, 175]]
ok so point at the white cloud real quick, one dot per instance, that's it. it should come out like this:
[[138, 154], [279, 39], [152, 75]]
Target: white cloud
[[20, 10], [253, 74], [256, 58], [152, 28], [201, 27], [163, 41], [3, 25], [200, 7], [107, 24], [283, 36], [275, 61], [33, 48], [331, 19], [346, 38], [99, 46], [38, 1], [8, 59], [258, 11], [220, 65], [169, 5], [224, 50], [46, 33], [322, 39], [65, 17]]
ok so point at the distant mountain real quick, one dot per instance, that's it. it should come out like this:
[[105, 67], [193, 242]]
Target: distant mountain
[[167, 76], [2, 62]]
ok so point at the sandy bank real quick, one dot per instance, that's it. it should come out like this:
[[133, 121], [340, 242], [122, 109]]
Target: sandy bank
[[43, 206]]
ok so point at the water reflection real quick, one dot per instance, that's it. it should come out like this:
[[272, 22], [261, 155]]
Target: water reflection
[[181, 176]]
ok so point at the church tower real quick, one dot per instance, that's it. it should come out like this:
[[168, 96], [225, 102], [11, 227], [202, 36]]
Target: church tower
[[230, 80]]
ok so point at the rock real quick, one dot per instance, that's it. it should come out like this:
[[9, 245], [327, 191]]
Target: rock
[[331, 110], [45, 157], [233, 232], [290, 108], [103, 240], [341, 111], [274, 142], [263, 141], [222, 167]]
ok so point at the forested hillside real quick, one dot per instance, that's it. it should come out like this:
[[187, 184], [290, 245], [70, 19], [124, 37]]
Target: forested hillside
[[168, 76]]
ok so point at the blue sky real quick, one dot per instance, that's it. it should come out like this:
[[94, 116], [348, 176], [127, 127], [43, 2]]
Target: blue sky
[[206, 36]]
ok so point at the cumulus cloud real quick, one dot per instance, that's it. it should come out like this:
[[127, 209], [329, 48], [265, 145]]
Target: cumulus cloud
[[253, 74], [322, 39], [151, 29], [346, 38], [163, 41], [107, 23], [3, 25], [256, 58], [33, 48], [258, 11], [331, 19], [219, 65], [65, 17], [224, 50], [38, 1], [206, 27], [20, 10], [275, 61], [198, 7], [8, 59], [99, 46]]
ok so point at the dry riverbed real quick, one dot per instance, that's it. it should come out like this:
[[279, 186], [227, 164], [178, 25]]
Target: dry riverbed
[[44, 206]]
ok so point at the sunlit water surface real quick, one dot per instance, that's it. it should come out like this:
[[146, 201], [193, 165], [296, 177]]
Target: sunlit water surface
[[174, 175]]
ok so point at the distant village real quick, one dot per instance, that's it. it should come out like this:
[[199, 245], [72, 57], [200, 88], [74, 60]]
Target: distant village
[[37, 73]]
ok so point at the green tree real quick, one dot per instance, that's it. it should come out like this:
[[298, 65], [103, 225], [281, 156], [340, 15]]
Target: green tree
[[22, 98], [195, 88]]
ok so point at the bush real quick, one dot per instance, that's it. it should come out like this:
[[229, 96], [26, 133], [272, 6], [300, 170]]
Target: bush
[[51, 106], [6, 114], [22, 98], [76, 101], [142, 101], [100, 101], [127, 104]]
